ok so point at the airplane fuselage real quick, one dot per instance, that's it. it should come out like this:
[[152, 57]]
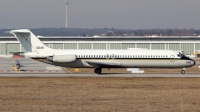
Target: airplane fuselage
[[135, 58]]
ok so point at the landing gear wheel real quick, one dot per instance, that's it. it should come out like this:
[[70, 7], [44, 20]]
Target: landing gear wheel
[[97, 71], [183, 71]]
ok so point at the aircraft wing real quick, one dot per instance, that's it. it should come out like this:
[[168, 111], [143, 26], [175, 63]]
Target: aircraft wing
[[104, 64]]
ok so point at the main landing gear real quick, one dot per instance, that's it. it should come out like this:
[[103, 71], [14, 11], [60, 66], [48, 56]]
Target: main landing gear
[[183, 71], [98, 70]]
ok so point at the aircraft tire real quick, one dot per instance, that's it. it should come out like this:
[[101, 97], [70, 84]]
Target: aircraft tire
[[97, 71], [183, 71]]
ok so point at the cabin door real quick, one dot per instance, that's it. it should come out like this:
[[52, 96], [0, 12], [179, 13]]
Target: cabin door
[[172, 58]]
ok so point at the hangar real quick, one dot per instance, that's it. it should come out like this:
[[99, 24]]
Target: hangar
[[188, 44]]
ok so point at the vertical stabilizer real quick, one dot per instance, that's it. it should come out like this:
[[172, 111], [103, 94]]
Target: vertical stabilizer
[[30, 42]]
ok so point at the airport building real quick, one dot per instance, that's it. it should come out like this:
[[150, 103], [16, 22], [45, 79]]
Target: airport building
[[188, 44]]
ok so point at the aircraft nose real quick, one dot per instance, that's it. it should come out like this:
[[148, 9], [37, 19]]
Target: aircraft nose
[[194, 62]]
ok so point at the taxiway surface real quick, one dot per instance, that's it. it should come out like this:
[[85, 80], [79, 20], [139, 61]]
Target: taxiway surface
[[29, 66], [95, 75]]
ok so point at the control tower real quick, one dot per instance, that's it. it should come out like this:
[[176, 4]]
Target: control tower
[[66, 2]]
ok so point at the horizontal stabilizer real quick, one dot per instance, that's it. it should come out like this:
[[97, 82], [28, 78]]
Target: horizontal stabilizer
[[26, 31]]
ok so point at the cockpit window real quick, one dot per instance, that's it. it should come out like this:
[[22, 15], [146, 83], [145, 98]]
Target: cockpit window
[[180, 55]]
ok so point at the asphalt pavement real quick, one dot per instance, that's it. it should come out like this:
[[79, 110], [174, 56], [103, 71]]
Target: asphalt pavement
[[95, 75]]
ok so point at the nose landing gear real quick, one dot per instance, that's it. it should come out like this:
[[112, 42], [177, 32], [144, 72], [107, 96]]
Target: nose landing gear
[[183, 71]]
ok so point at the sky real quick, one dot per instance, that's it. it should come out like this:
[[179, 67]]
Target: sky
[[118, 14]]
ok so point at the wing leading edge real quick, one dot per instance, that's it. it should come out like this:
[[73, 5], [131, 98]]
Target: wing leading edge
[[104, 64]]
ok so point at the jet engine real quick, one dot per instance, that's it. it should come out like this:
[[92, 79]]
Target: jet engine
[[62, 58]]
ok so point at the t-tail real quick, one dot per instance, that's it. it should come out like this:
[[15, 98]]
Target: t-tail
[[31, 43]]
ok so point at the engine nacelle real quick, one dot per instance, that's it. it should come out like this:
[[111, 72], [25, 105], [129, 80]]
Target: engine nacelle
[[63, 58]]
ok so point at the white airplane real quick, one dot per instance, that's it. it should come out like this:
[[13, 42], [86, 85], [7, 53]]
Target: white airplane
[[98, 59]]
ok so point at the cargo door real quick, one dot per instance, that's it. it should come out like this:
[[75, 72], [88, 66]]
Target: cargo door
[[172, 58]]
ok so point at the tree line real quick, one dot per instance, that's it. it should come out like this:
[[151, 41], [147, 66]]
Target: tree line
[[107, 32]]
